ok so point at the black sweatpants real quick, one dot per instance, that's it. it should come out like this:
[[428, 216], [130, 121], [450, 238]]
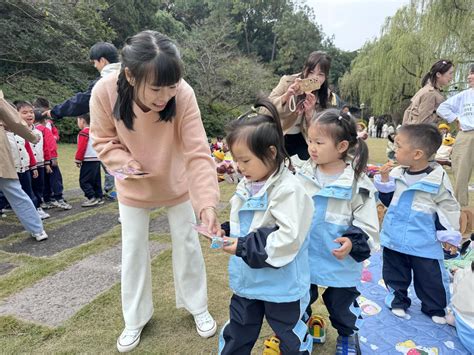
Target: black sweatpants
[[25, 181], [53, 185], [246, 316], [38, 186], [427, 280], [90, 180], [342, 306]]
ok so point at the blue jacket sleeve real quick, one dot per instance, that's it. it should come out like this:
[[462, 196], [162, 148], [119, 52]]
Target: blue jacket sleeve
[[360, 247], [75, 106], [251, 248]]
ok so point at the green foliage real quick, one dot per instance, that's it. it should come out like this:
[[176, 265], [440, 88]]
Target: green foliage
[[68, 130], [232, 49], [128, 17], [388, 71], [297, 36], [222, 78], [29, 88]]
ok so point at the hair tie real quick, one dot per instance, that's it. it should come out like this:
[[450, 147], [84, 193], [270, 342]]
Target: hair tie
[[250, 113], [444, 62]]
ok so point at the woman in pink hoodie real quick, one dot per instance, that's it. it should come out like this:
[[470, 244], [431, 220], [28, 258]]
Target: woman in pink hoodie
[[147, 130]]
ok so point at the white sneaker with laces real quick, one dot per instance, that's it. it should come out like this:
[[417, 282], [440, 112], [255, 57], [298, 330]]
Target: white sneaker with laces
[[42, 214], [439, 320], [399, 312], [40, 236], [128, 340], [206, 326], [90, 202], [63, 204]]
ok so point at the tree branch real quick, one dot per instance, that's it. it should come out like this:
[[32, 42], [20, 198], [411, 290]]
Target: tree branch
[[409, 72]]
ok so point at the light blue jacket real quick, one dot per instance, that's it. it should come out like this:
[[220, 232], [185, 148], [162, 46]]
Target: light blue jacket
[[339, 207], [282, 202], [409, 225]]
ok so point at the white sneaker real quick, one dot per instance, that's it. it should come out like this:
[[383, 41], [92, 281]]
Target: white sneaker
[[90, 202], [128, 340], [206, 326], [399, 312], [438, 320], [61, 204], [42, 214], [40, 236]]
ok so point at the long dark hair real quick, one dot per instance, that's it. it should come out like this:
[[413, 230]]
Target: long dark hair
[[441, 66], [150, 57], [341, 127], [260, 132], [324, 61]]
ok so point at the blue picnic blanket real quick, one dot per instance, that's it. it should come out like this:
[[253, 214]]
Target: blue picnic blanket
[[384, 333]]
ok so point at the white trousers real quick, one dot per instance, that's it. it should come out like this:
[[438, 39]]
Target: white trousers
[[188, 264]]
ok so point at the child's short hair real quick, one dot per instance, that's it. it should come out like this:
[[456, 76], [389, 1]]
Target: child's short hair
[[260, 131], [41, 102], [104, 50], [19, 104], [86, 117], [423, 136], [471, 70], [39, 118]]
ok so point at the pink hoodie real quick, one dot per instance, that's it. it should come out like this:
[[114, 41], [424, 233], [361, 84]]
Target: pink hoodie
[[175, 154]]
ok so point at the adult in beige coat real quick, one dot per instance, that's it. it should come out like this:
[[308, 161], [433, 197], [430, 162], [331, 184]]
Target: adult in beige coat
[[296, 108], [424, 104], [9, 183]]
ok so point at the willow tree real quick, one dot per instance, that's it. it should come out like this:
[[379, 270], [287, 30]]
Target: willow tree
[[388, 71]]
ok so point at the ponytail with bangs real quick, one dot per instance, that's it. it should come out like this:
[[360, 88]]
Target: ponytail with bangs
[[340, 126]]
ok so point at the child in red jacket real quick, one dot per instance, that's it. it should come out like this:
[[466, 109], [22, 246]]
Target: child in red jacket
[[86, 159], [53, 181]]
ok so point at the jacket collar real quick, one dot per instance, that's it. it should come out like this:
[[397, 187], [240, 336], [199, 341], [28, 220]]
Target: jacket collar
[[341, 188], [430, 183], [243, 189], [110, 68]]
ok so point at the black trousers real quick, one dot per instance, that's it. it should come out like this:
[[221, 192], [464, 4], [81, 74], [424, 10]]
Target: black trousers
[[38, 186], [90, 180], [427, 279], [246, 317], [25, 181], [53, 185], [296, 144], [342, 306]]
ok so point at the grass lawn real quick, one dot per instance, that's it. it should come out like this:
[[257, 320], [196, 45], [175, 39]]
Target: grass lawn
[[95, 328]]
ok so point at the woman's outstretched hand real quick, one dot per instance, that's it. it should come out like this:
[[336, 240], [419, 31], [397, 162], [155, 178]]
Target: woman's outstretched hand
[[209, 218]]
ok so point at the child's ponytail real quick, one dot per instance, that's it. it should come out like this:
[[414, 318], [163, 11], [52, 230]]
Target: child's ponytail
[[260, 129], [341, 127], [270, 107], [361, 157]]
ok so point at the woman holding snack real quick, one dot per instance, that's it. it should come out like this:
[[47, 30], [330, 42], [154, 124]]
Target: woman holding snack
[[147, 130], [299, 96]]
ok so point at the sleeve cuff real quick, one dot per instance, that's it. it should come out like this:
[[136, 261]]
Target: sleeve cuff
[[451, 237], [384, 187]]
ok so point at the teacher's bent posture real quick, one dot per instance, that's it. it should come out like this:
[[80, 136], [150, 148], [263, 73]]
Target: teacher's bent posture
[[147, 130]]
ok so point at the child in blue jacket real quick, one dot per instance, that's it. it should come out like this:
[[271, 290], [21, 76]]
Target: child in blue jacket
[[344, 225], [269, 222], [422, 215]]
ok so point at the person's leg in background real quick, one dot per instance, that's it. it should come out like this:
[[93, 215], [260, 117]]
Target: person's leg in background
[[57, 188], [109, 184], [462, 162], [23, 207]]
